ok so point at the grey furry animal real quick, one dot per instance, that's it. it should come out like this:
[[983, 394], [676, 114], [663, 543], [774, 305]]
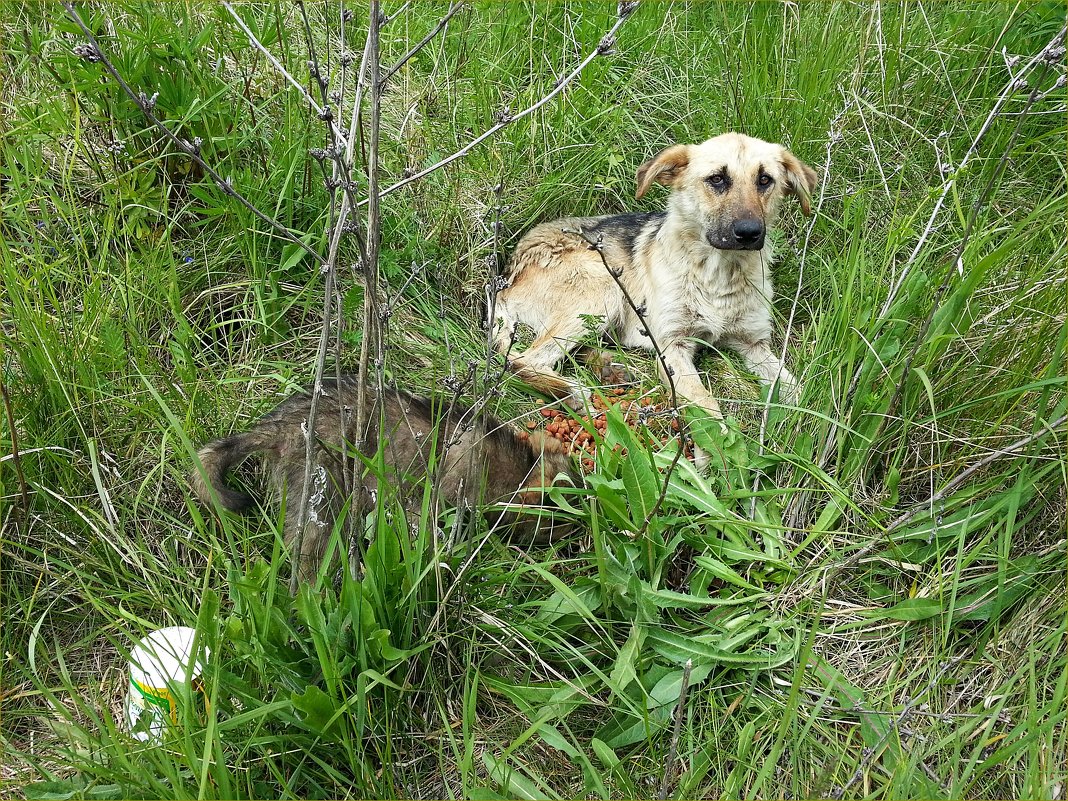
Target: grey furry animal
[[476, 460]]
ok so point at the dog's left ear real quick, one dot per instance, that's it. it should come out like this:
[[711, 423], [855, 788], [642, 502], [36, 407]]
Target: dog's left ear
[[800, 180], [664, 169], [541, 443]]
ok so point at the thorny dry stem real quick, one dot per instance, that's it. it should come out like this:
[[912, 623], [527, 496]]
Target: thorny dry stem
[[872, 753], [191, 149], [597, 245], [928, 504], [368, 251], [605, 46], [255, 42], [341, 153], [1010, 89], [960, 478], [676, 731], [955, 260]]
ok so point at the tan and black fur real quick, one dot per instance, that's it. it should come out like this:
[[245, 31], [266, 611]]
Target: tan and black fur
[[476, 461], [700, 269]]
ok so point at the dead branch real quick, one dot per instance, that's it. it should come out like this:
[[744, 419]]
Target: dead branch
[[191, 149], [605, 46]]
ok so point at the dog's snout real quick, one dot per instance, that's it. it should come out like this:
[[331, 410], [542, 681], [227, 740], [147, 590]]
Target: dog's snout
[[745, 233], [748, 232]]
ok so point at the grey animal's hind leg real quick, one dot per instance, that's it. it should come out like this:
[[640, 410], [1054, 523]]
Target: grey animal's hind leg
[[326, 506]]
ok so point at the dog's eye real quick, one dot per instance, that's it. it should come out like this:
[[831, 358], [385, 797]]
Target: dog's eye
[[715, 180], [765, 180]]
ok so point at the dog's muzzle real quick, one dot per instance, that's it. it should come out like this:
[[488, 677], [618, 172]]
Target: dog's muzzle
[[747, 234]]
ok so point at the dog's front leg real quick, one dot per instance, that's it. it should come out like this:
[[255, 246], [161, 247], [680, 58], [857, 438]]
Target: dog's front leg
[[684, 376], [767, 366], [677, 369]]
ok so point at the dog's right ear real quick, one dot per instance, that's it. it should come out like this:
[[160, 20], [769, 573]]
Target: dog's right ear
[[664, 169]]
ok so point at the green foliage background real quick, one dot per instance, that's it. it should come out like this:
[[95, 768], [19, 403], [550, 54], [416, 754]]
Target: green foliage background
[[845, 633]]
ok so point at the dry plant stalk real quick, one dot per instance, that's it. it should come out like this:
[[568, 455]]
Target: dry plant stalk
[[597, 245], [344, 210], [192, 149], [1012, 86]]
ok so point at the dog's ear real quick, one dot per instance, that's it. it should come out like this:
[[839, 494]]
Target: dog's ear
[[541, 443], [800, 180], [664, 169]]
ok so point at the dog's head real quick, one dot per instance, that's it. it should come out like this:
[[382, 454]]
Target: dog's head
[[729, 187], [525, 517], [550, 463]]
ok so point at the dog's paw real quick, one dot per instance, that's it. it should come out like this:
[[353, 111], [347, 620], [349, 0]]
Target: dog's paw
[[579, 399], [789, 391], [786, 386]]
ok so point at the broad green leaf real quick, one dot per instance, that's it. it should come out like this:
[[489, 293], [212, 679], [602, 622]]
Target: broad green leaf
[[669, 688], [376, 678], [267, 712], [623, 672], [875, 728], [640, 482], [626, 729], [683, 495], [310, 607], [580, 599], [669, 599], [316, 710], [725, 573], [738, 553], [60, 791], [611, 500], [552, 737], [639, 478], [51, 791], [392, 654], [552, 699], [485, 794], [910, 609], [989, 603], [678, 648], [512, 781], [831, 514], [292, 255], [604, 753]]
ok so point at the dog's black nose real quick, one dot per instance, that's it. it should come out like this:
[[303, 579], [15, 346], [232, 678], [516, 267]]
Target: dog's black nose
[[748, 232]]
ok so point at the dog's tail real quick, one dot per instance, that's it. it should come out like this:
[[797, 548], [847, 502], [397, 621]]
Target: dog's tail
[[216, 460]]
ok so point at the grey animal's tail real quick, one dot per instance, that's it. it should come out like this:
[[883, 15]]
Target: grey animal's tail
[[216, 459]]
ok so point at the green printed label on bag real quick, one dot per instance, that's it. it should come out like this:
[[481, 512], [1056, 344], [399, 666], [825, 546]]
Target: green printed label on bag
[[157, 696]]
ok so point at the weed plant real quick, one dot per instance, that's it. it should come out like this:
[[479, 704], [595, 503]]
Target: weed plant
[[864, 595]]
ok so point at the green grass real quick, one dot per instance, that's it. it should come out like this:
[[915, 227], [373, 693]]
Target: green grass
[[833, 649]]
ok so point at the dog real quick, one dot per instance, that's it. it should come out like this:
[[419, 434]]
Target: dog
[[474, 459], [698, 271]]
